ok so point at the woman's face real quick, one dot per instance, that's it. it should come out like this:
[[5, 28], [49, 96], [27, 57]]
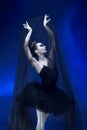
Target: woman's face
[[41, 48]]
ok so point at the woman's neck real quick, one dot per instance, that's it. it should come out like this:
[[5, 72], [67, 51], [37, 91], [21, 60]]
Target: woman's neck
[[41, 57]]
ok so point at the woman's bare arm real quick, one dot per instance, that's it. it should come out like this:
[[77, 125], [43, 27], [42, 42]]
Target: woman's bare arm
[[32, 60], [26, 42], [52, 37]]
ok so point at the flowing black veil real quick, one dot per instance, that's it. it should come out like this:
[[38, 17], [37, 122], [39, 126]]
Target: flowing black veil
[[26, 74]]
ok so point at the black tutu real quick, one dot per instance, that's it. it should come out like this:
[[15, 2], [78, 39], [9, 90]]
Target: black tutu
[[45, 96]]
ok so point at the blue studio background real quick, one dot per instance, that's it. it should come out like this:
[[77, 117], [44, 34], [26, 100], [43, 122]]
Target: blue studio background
[[70, 22]]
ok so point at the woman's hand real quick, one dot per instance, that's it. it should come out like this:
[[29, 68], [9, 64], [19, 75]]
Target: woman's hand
[[27, 26], [48, 29], [27, 38], [46, 20]]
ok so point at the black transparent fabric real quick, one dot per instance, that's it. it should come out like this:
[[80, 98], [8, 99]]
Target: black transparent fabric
[[26, 75]]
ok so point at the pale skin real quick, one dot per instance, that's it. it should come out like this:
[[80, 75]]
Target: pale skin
[[42, 60]]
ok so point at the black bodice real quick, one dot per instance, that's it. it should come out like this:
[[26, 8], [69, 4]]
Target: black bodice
[[47, 74], [48, 77]]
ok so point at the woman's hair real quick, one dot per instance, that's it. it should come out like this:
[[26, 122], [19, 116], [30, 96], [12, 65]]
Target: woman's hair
[[33, 47]]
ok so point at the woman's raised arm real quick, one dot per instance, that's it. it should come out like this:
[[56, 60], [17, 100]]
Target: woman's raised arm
[[52, 37], [27, 40]]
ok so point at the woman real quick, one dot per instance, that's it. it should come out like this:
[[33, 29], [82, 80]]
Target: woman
[[44, 95], [42, 61]]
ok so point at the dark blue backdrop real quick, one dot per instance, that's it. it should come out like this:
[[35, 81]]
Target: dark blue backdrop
[[70, 21]]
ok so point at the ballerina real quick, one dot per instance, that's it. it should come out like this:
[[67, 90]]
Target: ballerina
[[47, 98], [44, 96]]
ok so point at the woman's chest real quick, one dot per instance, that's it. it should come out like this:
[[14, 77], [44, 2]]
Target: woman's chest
[[40, 65]]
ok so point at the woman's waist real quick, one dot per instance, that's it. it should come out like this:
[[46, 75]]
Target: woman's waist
[[42, 85], [47, 87]]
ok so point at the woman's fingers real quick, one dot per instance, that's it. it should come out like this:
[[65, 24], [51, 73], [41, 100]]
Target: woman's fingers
[[46, 16], [48, 20], [23, 24], [26, 26], [27, 23]]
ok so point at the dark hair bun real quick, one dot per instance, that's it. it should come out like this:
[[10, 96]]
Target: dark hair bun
[[33, 43], [33, 48]]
